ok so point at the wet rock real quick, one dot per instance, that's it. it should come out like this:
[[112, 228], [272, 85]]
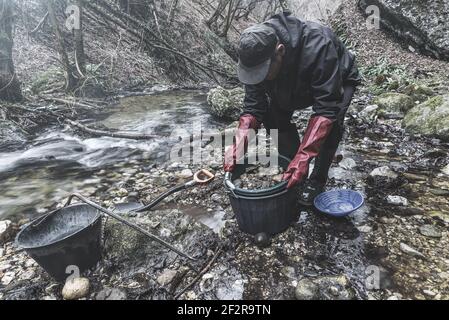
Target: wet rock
[[365, 229], [429, 293], [324, 288], [385, 172], [216, 198], [227, 104], [397, 200], [306, 290], [7, 278], [419, 92], [76, 288], [111, 294], [122, 192], [369, 113], [185, 174], [6, 231], [411, 251], [166, 277], [445, 170], [348, 163], [393, 105], [430, 118], [430, 231]]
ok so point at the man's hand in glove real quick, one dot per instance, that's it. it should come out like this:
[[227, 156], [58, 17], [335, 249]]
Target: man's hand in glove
[[316, 132], [237, 150]]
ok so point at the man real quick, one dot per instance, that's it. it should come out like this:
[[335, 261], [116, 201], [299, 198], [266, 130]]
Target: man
[[287, 64]]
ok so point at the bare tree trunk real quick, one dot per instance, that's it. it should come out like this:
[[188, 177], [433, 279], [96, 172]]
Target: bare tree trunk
[[80, 57], [71, 81], [9, 84]]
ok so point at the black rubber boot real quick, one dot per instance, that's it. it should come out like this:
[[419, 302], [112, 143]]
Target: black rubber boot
[[324, 159], [309, 190]]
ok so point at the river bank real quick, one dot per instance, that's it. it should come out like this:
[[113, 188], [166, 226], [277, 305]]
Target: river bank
[[317, 257]]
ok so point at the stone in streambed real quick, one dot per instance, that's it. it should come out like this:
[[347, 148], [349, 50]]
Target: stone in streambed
[[324, 288], [430, 231], [430, 118], [111, 294], [385, 172], [393, 105], [226, 104], [166, 277], [76, 288], [6, 231], [411, 251], [397, 200]]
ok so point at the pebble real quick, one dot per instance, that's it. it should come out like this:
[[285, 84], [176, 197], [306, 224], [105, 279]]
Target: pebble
[[111, 294], [28, 274], [76, 288], [306, 290], [7, 278], [445, 170], [365, 229], [384, 172], [166, 277], [215, 197], [411, 251], [429, 231], [122, 192], [348, 163], [2, 252], [5, 231], [185, 174], [397, 200], [429, 293]]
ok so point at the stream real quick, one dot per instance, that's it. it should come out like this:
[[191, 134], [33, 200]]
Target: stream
[[59, 162]]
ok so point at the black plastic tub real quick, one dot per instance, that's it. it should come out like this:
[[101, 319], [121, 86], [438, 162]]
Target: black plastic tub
[[269, 210], [66, 239]]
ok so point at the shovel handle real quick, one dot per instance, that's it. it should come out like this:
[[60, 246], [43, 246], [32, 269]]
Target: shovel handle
[[129, 224]]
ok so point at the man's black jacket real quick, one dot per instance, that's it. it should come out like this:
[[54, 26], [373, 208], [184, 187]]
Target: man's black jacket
[[314, 71]]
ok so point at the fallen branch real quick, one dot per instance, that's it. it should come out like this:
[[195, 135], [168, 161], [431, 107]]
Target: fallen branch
[[69, 102], [118, 134], [40, 24], [198, 277]]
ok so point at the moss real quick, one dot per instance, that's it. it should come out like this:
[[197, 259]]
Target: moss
[[46, 79], [434, 102], [393, 103]]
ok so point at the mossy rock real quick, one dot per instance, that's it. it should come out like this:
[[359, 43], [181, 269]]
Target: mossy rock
[[224, 103], [419, 92], [430, 118], [393, 105]]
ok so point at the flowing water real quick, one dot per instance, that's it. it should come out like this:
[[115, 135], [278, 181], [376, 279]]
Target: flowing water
[[59, 161]]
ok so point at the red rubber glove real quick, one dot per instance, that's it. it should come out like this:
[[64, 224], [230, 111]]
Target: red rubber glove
[[316, 132], [237, 150]]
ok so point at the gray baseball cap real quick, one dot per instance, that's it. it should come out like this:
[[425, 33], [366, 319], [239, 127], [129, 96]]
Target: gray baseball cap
[[256, 48]]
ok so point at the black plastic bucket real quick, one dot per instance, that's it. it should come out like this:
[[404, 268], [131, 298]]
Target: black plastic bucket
[[70, 236], [269, 210]]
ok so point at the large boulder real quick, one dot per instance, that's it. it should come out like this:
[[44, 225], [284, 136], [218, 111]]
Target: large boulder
[[430, 118], [423, 24], [224, 103], [393, 105]]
